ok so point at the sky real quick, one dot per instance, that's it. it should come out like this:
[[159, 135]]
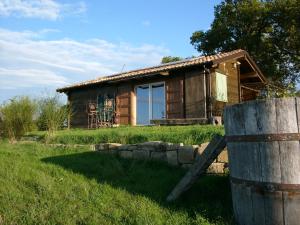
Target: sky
[[46, 44]]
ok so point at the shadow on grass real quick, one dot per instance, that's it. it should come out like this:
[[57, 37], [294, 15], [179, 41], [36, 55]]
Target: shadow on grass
[[210, 196]]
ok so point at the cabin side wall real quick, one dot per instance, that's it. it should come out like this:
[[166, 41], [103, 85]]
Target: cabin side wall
[[186, 94], [79, 98], [230, 69], [195, 94]]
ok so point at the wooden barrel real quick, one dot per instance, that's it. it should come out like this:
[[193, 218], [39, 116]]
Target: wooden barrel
[[264, 160]]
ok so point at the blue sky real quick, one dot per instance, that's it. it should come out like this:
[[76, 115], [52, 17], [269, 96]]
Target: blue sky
[[45, 44]]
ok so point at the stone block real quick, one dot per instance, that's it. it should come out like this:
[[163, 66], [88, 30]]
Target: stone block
[[161, 156], [125, 154], [186, 154], [223, 157], [128, 147], [153, 145], [172, 157], [101, 147], [216, 168], [140, 154], [123, 147], [171, 147], [200, 150], [113, 146]]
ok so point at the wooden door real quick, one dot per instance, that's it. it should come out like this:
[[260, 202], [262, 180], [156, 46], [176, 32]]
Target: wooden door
[[123, 104], [175, 97], [195, 101]]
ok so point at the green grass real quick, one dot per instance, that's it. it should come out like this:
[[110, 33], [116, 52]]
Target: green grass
[[131, 135], [46, 185]]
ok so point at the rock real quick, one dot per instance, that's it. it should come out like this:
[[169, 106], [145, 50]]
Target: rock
[[153, 145], [125, 154], [101, 147], [200, 149], [93, 147], [186, 154], [172, 157], [223, 157], [114, 146], [161, 156], [140, 154], [216, 168], [128, 147], [171, 147]]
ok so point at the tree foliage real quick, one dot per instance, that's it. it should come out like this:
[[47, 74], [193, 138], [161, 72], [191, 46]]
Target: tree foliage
[[168, 59], [268, 29]]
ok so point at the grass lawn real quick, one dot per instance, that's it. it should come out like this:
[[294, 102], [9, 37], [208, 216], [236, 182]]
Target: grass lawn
[[47, 185], [131, 135]]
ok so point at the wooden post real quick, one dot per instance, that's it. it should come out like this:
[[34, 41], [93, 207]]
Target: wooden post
[[210, 153]]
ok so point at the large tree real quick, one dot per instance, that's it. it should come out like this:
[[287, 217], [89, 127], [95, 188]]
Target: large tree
[[269, 30]]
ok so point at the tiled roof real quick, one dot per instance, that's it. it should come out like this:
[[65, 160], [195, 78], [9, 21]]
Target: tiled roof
[[160, 68]]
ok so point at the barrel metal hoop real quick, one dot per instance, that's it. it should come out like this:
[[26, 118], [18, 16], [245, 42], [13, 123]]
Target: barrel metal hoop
[[266, 186], [264, 137]]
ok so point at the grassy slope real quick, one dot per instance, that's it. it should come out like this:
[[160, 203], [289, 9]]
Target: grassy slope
[[131, 135], [43, 185]]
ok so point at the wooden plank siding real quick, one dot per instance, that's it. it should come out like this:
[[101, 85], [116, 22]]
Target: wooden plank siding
[[123, 103], [79, 99], [195, 94], [175, 97], [186, 95], [233, 87]]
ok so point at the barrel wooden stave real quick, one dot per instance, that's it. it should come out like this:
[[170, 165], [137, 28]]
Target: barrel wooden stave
[[273, 162]]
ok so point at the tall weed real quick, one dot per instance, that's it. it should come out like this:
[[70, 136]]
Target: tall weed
[[17, 117]]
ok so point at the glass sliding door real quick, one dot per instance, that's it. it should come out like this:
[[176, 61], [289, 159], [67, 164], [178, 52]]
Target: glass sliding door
[[143, 99], [158, 101], [150, 99]]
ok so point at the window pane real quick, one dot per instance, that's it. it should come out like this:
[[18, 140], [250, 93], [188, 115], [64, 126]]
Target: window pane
[[158, 101], [142, 95]]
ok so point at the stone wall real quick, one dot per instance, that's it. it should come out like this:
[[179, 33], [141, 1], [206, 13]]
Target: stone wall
[[174, 154]]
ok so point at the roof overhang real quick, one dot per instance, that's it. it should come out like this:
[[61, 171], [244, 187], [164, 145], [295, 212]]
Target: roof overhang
[[164, 69]]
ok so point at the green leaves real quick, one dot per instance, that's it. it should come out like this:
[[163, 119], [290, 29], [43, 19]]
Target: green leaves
[[16, 117], [268, 30]]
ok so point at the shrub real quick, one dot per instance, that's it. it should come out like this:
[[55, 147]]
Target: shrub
[[52, 114], [17, 117]]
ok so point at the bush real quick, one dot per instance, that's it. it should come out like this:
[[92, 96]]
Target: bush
[[52, 114], [17, 117]]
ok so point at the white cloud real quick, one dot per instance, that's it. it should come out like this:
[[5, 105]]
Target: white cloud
[[43, 9], [28, 60], [16, 78]]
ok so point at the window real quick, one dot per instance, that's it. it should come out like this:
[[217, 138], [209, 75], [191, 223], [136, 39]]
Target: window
[[150, 99]]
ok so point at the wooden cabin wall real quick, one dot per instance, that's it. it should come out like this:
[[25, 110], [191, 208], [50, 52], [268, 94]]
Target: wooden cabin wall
[[175, 96], [195, 94], [233, 86], [79, 99], [123, 103]]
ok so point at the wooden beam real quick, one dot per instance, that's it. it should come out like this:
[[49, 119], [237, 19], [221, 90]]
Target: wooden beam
[[164, 73], [252, 74], [251, 89], [211, 152]]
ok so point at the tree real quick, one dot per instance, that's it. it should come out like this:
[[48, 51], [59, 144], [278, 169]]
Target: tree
[[168, 59], [268, 29]]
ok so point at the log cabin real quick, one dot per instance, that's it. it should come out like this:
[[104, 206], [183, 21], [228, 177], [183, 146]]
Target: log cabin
[[191, 91]]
